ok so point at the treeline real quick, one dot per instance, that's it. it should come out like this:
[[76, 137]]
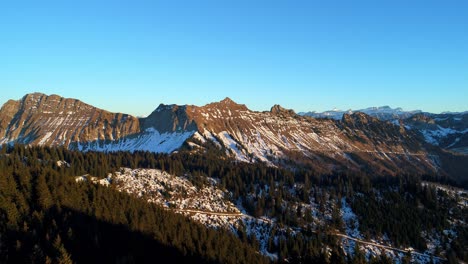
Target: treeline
[[46, 217]]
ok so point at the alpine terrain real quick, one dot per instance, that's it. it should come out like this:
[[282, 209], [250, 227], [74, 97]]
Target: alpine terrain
[[277, 137], [221, 183]]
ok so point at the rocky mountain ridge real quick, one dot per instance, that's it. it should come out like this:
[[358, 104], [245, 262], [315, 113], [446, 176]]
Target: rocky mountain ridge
[[277, 137], [448, 130], [39, 119]]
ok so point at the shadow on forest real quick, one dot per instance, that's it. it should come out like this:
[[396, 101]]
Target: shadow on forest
[[97, 241]]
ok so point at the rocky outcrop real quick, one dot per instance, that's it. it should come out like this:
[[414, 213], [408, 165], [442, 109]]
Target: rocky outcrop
[[279, 110], [169, 118]]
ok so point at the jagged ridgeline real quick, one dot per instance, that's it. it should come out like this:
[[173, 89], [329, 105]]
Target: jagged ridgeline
[[280, 137]]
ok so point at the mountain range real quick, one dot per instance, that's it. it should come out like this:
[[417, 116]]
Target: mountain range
[[378, 140], [381, 112], [373, 186], [447, 130]]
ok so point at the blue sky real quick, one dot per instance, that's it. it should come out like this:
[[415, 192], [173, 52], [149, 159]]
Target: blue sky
[[129, 56]]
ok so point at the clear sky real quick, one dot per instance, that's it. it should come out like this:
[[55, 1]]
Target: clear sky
[[129, 56]]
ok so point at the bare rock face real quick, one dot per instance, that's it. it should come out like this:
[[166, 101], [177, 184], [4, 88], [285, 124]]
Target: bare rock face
[[279, 110], [169, 118], [52, 120], [7, 113]]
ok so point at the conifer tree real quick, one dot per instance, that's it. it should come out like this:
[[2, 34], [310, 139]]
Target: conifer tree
[[62, 255], [43, 195]]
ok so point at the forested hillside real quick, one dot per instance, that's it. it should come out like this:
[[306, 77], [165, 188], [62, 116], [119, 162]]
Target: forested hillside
[[45, 217], [304, 216]]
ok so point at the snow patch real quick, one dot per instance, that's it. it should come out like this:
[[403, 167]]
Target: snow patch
[[232, 145], [199, 137], [350, 220], [62, 163], [210, 137], [45, 138], [433, 136]]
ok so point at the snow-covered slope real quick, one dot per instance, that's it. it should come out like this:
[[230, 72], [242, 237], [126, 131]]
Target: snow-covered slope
[[149, 140]]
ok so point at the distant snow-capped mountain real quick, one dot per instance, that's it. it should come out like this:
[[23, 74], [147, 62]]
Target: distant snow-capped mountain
[[381, 112]]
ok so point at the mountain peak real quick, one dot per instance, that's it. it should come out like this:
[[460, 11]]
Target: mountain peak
[[33, 97], [165, 107], [278, 110], [227, 100], [40, 100], [34, 94], [384, 107], [226, 103]]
